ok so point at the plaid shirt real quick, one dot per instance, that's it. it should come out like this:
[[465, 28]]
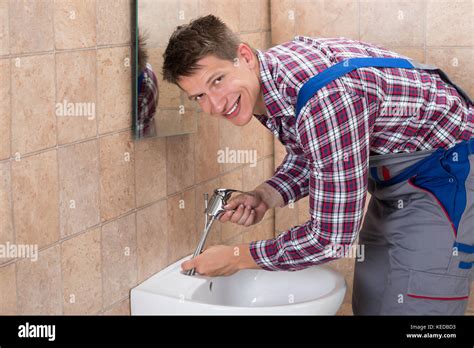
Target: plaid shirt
[[368, 111], [147, 102]]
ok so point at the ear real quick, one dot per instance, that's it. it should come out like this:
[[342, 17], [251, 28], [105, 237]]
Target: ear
[[246, 55]]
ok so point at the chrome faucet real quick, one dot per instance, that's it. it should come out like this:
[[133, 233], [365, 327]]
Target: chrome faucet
[[214, 208]]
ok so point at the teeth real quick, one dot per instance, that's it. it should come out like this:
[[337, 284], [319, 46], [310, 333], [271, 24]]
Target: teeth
[[234, 107]]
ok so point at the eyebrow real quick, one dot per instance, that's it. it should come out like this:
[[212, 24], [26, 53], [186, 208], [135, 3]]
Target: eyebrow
[[207, 82]]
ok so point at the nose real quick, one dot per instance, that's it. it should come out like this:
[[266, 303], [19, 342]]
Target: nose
[[218, 103]]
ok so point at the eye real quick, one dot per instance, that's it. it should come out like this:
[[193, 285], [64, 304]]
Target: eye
[[198, 97], [218, 80]]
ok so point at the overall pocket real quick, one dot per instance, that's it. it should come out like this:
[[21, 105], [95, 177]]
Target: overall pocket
[[436, 294]]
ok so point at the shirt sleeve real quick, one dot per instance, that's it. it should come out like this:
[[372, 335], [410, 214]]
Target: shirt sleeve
[[334, 133], [291, 178]]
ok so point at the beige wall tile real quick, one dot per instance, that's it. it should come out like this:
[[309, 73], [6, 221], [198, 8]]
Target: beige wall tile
[[268, 169], [152, 239], [345, 309], [207, 147], [251, 12], [214, 236], [265, 14], [31, 26], [283, 18], [230, 136], [4, 28], [35, 199], [113, 22], [449, 23], [5, 115], [171, 13], [39, 283], [173, 122], [121, 308], [82, 273], [76, 88], [182, 232], [6, 225], [179, 162], [169, 93], [236, 240], [303, 210], [34, 124], [280, 153], [262, 231], [285, 218], [150, 170], [231, 180], [327, 18], [415, 53], [268, 140], [394, 22], [114, 103], [8, 303], [117, 175], [252, 176], [252, 139], [456, 62], [119, 259], [75, 23], [78, 187], [226, 10]]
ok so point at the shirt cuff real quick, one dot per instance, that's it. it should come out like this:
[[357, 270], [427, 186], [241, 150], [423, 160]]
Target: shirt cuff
[[280, 182], [292, 250]]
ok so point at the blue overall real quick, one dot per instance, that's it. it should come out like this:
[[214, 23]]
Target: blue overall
[[418, 232]]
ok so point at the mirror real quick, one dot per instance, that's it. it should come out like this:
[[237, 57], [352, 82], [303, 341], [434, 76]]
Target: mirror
[[160, 109]]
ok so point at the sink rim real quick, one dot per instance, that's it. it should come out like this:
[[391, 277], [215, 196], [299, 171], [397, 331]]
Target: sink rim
[[196, 281]]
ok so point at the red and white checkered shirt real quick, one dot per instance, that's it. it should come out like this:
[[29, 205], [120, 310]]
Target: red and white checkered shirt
[[367, 111]]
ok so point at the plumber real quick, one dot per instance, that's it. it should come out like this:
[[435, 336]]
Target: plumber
[[354, 118]]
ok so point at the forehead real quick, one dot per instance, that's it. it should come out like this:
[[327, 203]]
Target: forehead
[[207, 66]]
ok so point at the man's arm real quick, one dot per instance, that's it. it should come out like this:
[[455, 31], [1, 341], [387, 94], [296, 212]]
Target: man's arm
[[334, 132], [290, 182]]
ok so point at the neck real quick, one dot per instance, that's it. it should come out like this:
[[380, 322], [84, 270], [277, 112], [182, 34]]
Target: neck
[[259, 108]]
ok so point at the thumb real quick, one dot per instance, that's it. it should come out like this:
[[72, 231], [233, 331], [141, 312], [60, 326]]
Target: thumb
[[187, 265]]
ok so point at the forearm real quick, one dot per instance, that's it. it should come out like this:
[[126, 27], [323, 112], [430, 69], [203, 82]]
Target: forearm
[[246, 260], [270, 196]]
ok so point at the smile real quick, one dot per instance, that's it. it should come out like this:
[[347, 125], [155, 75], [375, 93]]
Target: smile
[[234, 110]]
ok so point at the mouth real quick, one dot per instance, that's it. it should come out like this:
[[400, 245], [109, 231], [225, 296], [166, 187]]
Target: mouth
[[234, 110]]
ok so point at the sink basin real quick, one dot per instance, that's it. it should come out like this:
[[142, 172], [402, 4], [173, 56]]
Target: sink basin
[[314, 290]]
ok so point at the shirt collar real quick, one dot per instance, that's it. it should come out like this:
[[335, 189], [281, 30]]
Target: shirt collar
[[275, 103]]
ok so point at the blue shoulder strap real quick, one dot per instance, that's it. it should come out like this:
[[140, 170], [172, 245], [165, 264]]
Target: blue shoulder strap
[[330, 74]]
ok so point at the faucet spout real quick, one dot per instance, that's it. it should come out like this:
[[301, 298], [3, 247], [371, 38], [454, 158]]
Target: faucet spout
[[214, 208]]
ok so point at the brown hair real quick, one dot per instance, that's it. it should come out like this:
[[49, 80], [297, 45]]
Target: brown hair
[[142, 51], [191, 42]]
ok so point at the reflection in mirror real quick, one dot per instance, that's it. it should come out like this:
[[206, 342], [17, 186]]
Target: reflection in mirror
[[171, 114]]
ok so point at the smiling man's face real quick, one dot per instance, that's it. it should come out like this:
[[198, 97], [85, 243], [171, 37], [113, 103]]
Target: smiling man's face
[[227, 89]]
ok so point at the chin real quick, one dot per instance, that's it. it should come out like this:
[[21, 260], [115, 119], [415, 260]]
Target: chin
[[242, 120]]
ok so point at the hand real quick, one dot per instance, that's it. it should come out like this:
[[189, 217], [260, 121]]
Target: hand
[[248, 209], [217, 260]]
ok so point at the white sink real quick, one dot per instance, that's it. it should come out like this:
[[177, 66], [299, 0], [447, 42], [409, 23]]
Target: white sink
[[314, 290]]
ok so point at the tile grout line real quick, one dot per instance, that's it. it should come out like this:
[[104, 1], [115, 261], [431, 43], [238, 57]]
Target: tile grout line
[[12, 214], [100, 223], [58, 184]]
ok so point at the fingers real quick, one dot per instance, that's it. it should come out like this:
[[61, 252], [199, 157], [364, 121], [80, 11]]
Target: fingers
[[187, 265], [237, 214], [250, 220], [245, 215]]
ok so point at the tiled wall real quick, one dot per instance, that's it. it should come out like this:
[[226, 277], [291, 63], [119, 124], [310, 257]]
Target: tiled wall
[[105, 211], [437, 32]]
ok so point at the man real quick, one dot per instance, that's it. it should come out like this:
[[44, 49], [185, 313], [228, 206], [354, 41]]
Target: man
[[417, 246]]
